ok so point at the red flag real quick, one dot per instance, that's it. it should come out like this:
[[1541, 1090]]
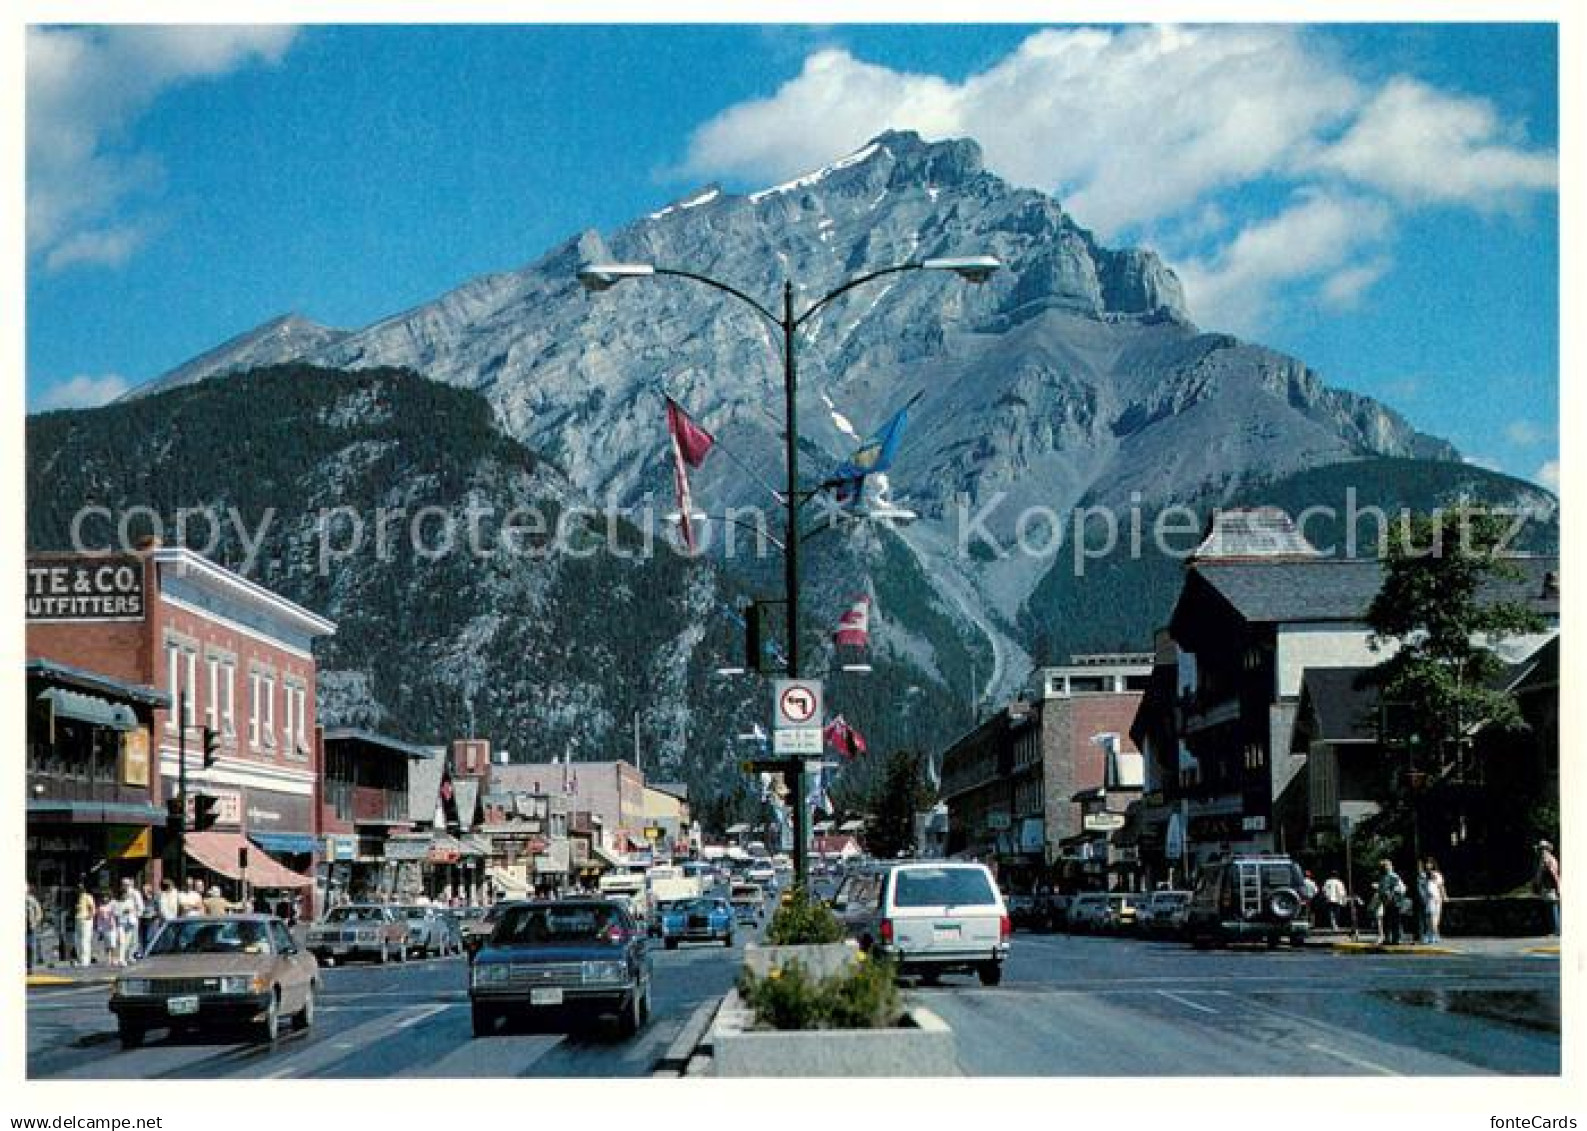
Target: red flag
[[854, 626], [690, 445], [844, 738], [446, 786]]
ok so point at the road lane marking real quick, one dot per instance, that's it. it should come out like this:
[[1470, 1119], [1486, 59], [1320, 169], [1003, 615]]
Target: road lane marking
[[1370, 1066], [1187, 1002], [418, 1017]]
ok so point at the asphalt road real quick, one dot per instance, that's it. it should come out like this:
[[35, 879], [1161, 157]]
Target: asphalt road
[[376, 1022], [1068, 1006], [1091, 1006]]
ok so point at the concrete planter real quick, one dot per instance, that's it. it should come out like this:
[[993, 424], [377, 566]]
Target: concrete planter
[[823, 960], [921, 1046]]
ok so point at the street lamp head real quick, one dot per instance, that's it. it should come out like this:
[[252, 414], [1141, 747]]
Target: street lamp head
[[605, 276], [970, 268]]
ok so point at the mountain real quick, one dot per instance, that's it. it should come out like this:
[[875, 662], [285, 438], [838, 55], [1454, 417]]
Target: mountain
[[1074, 378], [379, 499], [286, 337]]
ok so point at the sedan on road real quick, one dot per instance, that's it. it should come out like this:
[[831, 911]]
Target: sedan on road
[[430, 930], [370, 929], [217, 970], [574, 959], [697, 920]]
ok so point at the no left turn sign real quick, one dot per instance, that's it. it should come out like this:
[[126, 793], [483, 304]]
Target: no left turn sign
[[797, 703]]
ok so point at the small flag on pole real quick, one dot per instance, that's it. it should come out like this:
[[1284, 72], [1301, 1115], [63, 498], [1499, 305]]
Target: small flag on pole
[[854, 626], [843, 738], [872, 457], [690, 445]]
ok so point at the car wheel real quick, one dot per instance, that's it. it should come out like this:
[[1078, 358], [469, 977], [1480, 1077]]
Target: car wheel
[[484, 1021], [991, 973], [930, 977], [131, 1035], [305, 1016], [728, 941], [1297, 941], [1272, 942], [385, 954], [270, 1027]]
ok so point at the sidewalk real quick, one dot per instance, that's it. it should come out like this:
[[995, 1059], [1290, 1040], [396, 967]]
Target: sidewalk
[[63, 975]]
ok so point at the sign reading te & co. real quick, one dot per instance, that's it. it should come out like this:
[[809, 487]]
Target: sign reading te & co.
[[109, 588]]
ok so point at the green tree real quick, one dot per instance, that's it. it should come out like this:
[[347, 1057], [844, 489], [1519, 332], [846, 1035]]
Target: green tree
[[1441, 608], [901, 793]]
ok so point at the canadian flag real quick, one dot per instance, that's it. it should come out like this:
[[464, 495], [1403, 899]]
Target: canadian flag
[[843, 738], [854, 626], [690, 445]]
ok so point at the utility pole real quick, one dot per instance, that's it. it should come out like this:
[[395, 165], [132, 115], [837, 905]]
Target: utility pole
[[181, 786], [639, 762]]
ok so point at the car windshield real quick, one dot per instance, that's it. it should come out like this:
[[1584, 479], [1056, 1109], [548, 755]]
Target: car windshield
[[528, 926], [931, 887], [701, 906], [356, 915], [209, 936]]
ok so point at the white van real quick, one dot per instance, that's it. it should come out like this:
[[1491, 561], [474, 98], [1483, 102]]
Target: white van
[[930, 918]]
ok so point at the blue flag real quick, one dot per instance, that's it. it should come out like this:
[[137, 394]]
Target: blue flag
[[875, 455]]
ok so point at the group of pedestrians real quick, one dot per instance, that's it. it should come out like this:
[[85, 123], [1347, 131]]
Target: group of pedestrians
[[110, 928], [1398, 915]]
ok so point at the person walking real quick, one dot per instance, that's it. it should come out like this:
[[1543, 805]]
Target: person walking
[[107, 941], [190, 901], [84, 919], [1430, 887], [215, 903], [35, 917], [1309, 894], [1334, 896], [128, 912], [1546, 881], [149, 920], [1391, 900]]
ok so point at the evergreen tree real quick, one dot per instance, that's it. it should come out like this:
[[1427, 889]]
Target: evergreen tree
[[901, 793]]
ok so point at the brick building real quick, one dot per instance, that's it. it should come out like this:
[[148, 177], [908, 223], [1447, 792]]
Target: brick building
[[235, 660]]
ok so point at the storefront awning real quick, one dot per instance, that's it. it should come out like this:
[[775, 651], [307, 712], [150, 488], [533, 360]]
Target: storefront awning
[[217, 852], [284, 844], [90, 709], [599, 855]]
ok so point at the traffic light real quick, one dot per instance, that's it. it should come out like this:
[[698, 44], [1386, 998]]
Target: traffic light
[[211, 746], [175, 817], [206, 811], [752, 641]]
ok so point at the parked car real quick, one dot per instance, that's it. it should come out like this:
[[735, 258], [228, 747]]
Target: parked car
[[573, 959], [358, 928], [748, 901], [930, 918], [1024, 911], [761, 872], [1058, 911], [217, 970], [1161, 916], [1246, 898], [697, 920], [430, 930], [662, 908], [1122, 914], [1087, 912]]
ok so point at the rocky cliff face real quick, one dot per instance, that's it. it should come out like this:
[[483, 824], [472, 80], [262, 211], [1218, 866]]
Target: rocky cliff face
[[1075, 375]]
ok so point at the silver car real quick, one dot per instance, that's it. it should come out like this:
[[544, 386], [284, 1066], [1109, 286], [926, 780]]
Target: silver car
[[430, 930], [1087, 912], [930, 918]]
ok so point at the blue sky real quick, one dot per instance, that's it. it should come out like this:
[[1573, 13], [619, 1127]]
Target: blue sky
[[1380, 201]]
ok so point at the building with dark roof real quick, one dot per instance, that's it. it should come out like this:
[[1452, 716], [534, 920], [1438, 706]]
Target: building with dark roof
[[1258, 616]]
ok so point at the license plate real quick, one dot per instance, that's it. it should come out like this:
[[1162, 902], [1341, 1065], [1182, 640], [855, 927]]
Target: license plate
[[945, 934], [551, 995], [182, 1006]]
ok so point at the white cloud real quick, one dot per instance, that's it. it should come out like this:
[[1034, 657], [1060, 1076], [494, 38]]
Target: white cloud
[[1319, 238], [85, 86], [1487, 463], [1420, 144], [1159, 133], [1525, 433], [82, 392], [1548, 474]]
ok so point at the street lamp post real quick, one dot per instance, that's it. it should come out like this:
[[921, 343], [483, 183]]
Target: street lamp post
[[597, 277]]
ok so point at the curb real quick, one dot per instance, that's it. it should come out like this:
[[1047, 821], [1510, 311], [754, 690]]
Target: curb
[[679, 1054], [1542, 949], [1387, 949], [50, 980]]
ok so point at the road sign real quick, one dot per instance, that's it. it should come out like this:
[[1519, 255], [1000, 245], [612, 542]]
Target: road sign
[[800, 740], [1102, 822], [796, 703]]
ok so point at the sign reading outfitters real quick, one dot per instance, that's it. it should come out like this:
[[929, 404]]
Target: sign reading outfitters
[[99, 589]]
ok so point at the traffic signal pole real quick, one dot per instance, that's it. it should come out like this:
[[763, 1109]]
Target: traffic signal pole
[[181, 787]]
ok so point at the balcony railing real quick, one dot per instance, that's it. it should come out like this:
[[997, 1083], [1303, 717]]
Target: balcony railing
[[372, 805]]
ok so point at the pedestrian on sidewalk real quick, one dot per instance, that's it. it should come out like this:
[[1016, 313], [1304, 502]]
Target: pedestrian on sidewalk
[[84, 919], [215, 903], [169, 901], [1334, 897], [190, 901], [1310, 893], [1391, 898], [1546, 881], [149, 920], [35, 914], [1430, 887], [107, 940], [129, 912]]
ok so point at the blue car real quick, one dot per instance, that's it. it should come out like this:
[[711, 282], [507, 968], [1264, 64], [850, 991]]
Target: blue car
[[697, 920]]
